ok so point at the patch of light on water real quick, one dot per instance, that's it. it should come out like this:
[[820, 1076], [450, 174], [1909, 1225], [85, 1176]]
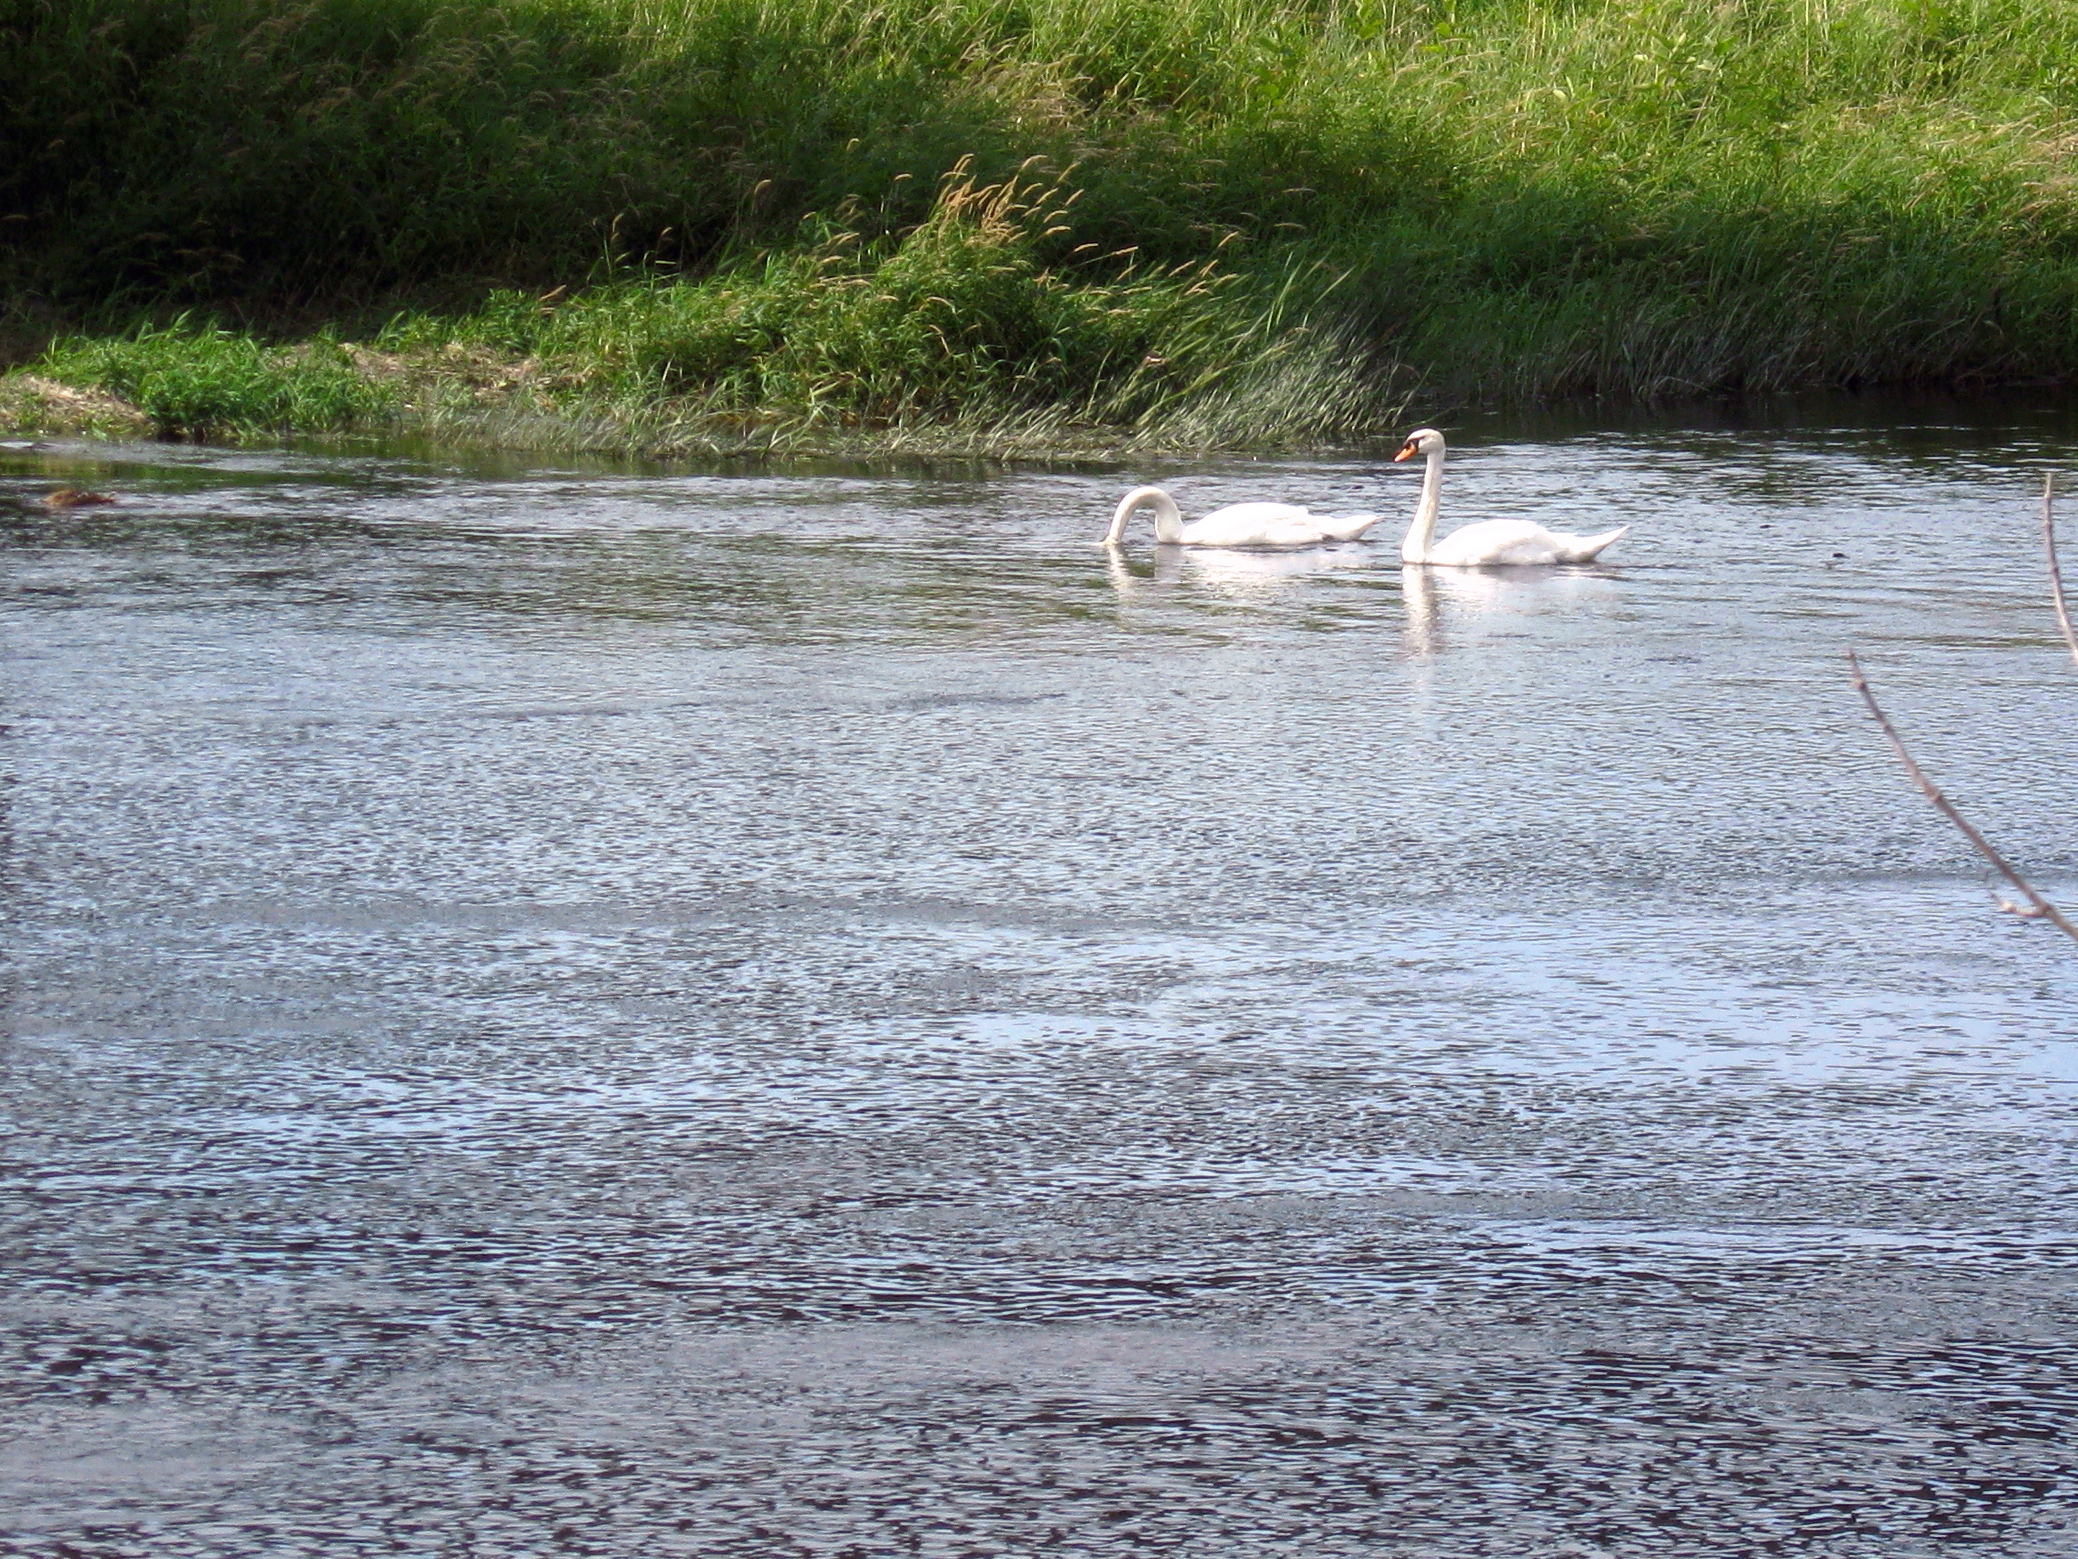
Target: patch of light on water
[[810, 1010]]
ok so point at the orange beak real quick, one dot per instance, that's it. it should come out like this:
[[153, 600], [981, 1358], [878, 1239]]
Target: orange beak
[[1404, 453]]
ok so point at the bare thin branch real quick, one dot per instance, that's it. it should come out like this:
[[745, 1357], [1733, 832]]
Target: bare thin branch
[[2038, 908], [2056, 575]]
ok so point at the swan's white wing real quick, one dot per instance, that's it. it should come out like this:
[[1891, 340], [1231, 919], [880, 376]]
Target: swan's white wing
[[1256, 514], [1254, 525], [1497, 542], [1272, 525], [1517, 542], [1584, 549], [1348, 527]]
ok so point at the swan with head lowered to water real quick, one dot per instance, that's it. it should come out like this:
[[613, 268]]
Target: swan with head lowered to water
[[1490, 542], [1237, 525]]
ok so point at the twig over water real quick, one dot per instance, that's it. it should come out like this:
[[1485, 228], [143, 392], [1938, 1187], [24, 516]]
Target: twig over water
[[2037, 907], [2056, 575]]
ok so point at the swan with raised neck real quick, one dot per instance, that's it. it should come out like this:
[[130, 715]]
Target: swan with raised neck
[[1489, 543]]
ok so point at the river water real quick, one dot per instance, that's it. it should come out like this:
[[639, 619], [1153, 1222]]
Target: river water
[[629, 1012]]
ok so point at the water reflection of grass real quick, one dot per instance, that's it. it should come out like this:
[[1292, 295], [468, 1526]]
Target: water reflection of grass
[[710, 224]]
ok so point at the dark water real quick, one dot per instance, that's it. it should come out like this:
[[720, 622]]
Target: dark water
[[644, 1013]]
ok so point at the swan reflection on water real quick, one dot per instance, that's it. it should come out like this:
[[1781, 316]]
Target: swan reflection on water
[[1235, 573], [1433, 596]]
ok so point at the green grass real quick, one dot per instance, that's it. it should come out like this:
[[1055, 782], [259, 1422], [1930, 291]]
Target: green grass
[[958, 322], [1268, 207], [953, 334], [209, 382]]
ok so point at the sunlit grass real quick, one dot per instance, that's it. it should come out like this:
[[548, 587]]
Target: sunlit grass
[[1509, 197], [956, 325], [201, 382]]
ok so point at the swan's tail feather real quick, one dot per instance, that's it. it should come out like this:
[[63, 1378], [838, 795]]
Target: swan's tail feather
[[1587, 548], [1348, 527]]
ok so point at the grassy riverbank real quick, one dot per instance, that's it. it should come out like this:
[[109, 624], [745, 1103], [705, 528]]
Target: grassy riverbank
[[950, 336], [706, 224]]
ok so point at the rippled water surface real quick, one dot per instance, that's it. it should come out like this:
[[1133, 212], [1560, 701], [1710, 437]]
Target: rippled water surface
[[641, 1013]]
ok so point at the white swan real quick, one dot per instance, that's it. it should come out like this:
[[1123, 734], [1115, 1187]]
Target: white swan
[[1237, 525], [1490, 541]]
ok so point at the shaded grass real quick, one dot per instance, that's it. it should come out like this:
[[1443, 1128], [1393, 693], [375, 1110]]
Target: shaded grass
[[1511, 198]]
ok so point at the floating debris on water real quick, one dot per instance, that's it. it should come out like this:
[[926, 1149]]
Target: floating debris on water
[[75, 498]]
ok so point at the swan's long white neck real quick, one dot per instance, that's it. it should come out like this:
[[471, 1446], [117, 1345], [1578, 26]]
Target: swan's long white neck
[[1415, 549], [1168, 519]]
